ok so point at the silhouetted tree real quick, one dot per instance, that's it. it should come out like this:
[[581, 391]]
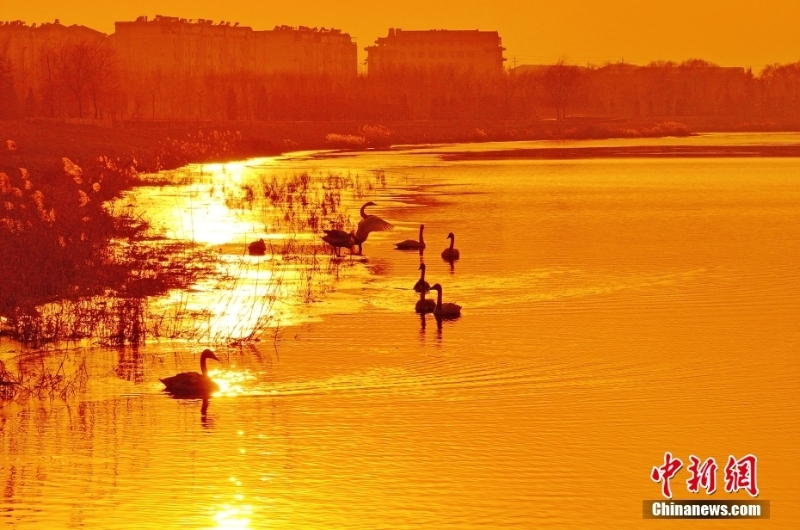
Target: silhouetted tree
[[560, 82], [86, 69], [8, 96]]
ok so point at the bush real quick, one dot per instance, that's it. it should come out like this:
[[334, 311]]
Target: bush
[[346, 141], [54, 228]]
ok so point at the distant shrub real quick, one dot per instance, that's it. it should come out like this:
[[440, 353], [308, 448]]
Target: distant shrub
[[377, 135], [602, 131], [348, 141], [200, 147], [667, 128]]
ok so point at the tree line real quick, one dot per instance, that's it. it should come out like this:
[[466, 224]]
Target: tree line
[[85, 80]]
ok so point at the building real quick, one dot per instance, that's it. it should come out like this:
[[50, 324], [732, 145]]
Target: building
[[176, 47], [458, 51]]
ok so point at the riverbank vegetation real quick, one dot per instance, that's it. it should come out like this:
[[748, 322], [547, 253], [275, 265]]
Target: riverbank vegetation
[[80, 262]]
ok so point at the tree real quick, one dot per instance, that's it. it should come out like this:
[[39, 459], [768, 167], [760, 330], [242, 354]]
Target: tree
[[86, 69], [8, 96], [560, 82]]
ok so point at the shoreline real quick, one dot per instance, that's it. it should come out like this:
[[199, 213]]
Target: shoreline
[[154, 145], [632, 151]]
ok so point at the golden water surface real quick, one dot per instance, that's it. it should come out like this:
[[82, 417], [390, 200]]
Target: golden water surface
[[613, 310]]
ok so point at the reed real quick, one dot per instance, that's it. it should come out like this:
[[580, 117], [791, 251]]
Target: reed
[[83, 267], [42, 375]]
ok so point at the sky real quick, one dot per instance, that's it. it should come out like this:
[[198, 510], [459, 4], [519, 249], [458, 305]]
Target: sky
[[726, 32]]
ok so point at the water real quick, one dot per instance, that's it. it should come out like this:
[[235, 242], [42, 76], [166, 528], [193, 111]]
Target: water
[[613, 310]]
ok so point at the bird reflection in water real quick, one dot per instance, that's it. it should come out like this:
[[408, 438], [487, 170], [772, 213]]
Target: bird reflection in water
[[423, 323], [205, 421]]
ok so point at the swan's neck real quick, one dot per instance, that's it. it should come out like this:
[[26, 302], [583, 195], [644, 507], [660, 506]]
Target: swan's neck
[[439, 299], [452, 242], [420, 240], [363, 213], [422, 276], [203, 367]]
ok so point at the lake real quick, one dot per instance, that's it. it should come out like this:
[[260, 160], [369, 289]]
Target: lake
[[614, 309]]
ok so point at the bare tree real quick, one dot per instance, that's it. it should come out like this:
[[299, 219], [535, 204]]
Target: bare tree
[[86, 70], [50, 81], [73, 66], [8, 96], [102, 73], [560, 82]]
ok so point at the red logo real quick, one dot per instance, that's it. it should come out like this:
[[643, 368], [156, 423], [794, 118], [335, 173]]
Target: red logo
[[664, 473], [741, 474], [704, 476]]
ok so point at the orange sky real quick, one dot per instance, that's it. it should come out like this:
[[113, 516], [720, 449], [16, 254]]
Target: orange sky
[[728, 32]]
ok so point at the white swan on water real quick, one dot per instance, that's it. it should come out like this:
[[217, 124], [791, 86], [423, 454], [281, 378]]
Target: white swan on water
[[450, 253], [410, 244], [339, 239], [192, 384], [444, 310], [425, 305], [370, 223], [422, 286]]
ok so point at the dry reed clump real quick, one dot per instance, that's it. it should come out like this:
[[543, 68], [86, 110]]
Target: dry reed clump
[[53, 228], [345, 141], [42, 375], [73, 268], [306, 203], [200, 147], [376, 135], [136, 272], [368, 136]]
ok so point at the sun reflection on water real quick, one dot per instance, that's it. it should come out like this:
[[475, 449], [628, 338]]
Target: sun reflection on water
[[232, 382], [224, 207], [233, 516]]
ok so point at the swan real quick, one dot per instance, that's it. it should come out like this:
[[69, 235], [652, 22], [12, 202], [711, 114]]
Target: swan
[[257, 248], [339, 239], [425, 305], [410, 244], [370, 223], [190, 384], [444, 310], [450, 253], [422, 286]]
